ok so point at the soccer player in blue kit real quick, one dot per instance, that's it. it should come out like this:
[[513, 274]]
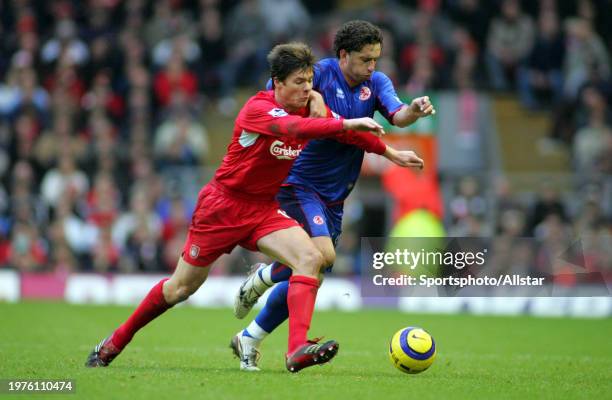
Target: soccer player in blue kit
[[326, 171]]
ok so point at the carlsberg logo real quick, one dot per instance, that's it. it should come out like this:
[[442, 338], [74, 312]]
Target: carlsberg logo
[[283, 152]]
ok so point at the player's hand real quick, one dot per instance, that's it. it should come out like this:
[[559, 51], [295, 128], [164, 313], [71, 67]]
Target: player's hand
[[404, 158], [422, 107], [316, 105], [364, 124]]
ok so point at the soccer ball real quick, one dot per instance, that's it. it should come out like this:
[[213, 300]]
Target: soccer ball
[[412, 350]]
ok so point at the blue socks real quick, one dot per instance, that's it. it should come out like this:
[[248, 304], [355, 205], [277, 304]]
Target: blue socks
[[275, 312]]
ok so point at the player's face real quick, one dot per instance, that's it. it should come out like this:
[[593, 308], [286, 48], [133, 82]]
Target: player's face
[[293, 93], [358, 66]]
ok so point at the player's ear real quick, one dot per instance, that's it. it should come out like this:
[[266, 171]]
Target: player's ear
[[343, 54], [275, 82]]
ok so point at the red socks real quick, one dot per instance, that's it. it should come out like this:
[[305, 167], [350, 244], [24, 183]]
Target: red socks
[[301, 298], [151, 307]]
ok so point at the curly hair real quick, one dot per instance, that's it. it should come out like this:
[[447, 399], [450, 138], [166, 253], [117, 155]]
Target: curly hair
[[353, 35], [287, 58]]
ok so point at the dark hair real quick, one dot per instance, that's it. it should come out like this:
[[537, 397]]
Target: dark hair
[[289, 57], [353, 35]]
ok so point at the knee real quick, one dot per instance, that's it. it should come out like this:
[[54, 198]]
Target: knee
[[310, 262], [179, 292]]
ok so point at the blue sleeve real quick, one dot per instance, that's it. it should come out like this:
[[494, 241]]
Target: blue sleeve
[[269, 84], [319, 69], [387, 101]]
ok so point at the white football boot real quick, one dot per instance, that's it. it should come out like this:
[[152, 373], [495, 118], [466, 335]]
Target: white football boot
[[246, 349], [250, 291]]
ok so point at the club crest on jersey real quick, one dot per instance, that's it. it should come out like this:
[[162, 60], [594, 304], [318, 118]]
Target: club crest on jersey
[[317, 219], [364, 93], [278, 112], [283, 152], [194, 251]]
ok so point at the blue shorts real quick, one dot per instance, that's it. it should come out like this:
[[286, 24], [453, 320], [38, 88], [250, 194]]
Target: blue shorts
[[307, 208]]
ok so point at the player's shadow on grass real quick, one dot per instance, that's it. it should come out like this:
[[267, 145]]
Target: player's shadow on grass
[[311, 372]]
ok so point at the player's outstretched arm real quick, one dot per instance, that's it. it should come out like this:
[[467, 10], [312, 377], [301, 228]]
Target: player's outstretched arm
[[418, 108], [363, 124], [404, 158], [265, 117]]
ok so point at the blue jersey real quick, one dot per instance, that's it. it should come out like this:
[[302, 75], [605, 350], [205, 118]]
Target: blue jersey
[[326, 166]]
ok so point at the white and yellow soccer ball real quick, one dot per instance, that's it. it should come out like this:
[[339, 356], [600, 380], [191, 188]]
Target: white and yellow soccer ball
[[412, 350]]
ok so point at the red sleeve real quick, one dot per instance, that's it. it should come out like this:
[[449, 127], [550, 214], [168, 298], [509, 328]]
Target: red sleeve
[[364, 140], [262, 116]]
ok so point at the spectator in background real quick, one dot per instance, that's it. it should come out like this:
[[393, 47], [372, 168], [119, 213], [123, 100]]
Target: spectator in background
[[510, 40], [511, 223], [464, 59], [27, 53], [180, 45], [180, 140], [26, 131], [175, 84], [284, 19], [61, 258], [421, 60], [102, 98], [104, 254], [143, 250], [24, 201], [104, 57], [585, 56], [65, 41], [547, 203], [167, 20], [211, 43], [65, 85], [472, 15], [23, 91], [28, 250], [247, 45], [139, 216], [468, 201], [79, 235], [103, 201], [66, 178], [542, 74], [59, 138], [591, 142]]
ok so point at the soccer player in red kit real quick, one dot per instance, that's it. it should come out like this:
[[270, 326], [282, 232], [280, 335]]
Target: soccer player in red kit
[[238, 207]]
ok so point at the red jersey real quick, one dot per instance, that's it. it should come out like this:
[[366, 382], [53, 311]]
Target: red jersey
[[265, 143]]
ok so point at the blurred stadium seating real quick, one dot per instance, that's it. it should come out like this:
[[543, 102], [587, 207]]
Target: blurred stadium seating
[[114, 113]]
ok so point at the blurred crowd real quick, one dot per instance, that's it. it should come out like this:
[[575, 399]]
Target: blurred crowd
[[102, 128], [572, 233]]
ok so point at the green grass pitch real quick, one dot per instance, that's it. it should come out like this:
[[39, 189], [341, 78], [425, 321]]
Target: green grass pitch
[[184, 354]]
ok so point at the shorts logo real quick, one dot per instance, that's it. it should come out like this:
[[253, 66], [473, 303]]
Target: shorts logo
[[364, 93], [317, 219], [284, 214], [283, 152], [194, 251]]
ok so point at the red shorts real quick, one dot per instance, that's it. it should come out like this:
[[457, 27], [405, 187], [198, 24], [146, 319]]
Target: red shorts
[[222, 220]]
